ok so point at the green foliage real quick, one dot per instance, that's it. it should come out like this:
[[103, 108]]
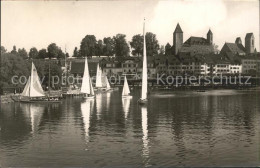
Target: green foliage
[[121, 46], [53, 51], [137, 45], [88, 46], [76, 52], [162, 51], [23, 53], [168, 49], [33, 53], [12, 65], [152, 45], [99, 48], [42, 54], [3, 50], [108, 48], [14, 50]]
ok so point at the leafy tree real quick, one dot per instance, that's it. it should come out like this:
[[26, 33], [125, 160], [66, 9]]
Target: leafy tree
[[53, 51], [43, 54], [11, 65], [137, 45], [88, 45], [152, 45], [108, 48], [161, 51], [3, 50], [14, 50], [60, 54], [99, 48], [121, 46], [76, 52], [23, 53], [168, 49], [33, 53]]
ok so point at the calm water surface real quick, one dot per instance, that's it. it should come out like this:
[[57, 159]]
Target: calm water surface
[[215, 128]]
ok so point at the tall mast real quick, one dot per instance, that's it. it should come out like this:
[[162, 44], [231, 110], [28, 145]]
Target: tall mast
[[65, 67], [49, 82]]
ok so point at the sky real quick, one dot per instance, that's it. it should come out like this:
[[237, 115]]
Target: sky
[[29, 24]]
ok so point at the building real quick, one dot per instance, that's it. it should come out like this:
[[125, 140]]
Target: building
[[250, 64], [250, 43], [194, 45], [233, 48]]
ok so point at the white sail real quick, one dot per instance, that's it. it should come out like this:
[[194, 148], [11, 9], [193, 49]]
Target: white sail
[[85, 87], [33, 86], [26, 90], [144, 74], [91, 87], [99, 77], [126, 90], [107, 84]]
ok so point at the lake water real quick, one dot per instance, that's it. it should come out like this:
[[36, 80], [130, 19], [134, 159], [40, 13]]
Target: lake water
[[181, 128]]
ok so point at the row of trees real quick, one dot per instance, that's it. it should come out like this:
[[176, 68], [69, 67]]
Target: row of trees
[[118, 46], [52, 51]]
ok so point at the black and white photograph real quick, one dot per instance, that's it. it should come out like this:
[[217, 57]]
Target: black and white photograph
[[130, 83]]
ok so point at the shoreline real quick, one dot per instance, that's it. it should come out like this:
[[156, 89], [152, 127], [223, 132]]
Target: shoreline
[[4, 99]]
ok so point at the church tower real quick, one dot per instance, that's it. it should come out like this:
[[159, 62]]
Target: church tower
[[250, 43], [177, 39], [210, 37]]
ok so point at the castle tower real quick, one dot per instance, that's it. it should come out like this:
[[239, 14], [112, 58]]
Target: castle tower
[[250, 43], [238, 40], [177, 39], [210, 37]]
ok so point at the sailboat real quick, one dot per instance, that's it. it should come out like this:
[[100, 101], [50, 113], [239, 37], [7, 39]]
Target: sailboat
[[33, 91], [86, 87], [126, 90], [108, 87], [143, 98], [99, 77]]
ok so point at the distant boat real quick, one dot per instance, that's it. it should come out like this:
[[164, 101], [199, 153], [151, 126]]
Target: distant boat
[[143, 98], [99, 77], [33, 91], [126, 90], [86, 86]]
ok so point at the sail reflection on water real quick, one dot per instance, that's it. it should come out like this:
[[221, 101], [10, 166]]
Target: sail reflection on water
[[126, 105], [99, 105], [86, 110], [145, 135], [34, 112]]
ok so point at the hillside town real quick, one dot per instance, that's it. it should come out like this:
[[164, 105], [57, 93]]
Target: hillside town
[[195, 56]]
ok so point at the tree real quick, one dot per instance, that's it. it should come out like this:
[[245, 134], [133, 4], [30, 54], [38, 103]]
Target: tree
[[99, 48], [162, 50], [152, 45], [23, 53], [137, 45], [53, 51], [121, 46], [3, 50], [14, 50], [88, 45], [42, 54], [168, 49], [33, 53], [61, 54], [76, 52], [108, 48]]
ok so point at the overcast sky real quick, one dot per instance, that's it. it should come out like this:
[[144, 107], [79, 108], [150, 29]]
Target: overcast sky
[[38, 23]]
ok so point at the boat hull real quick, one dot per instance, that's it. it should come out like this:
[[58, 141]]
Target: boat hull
[[142, 101]]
